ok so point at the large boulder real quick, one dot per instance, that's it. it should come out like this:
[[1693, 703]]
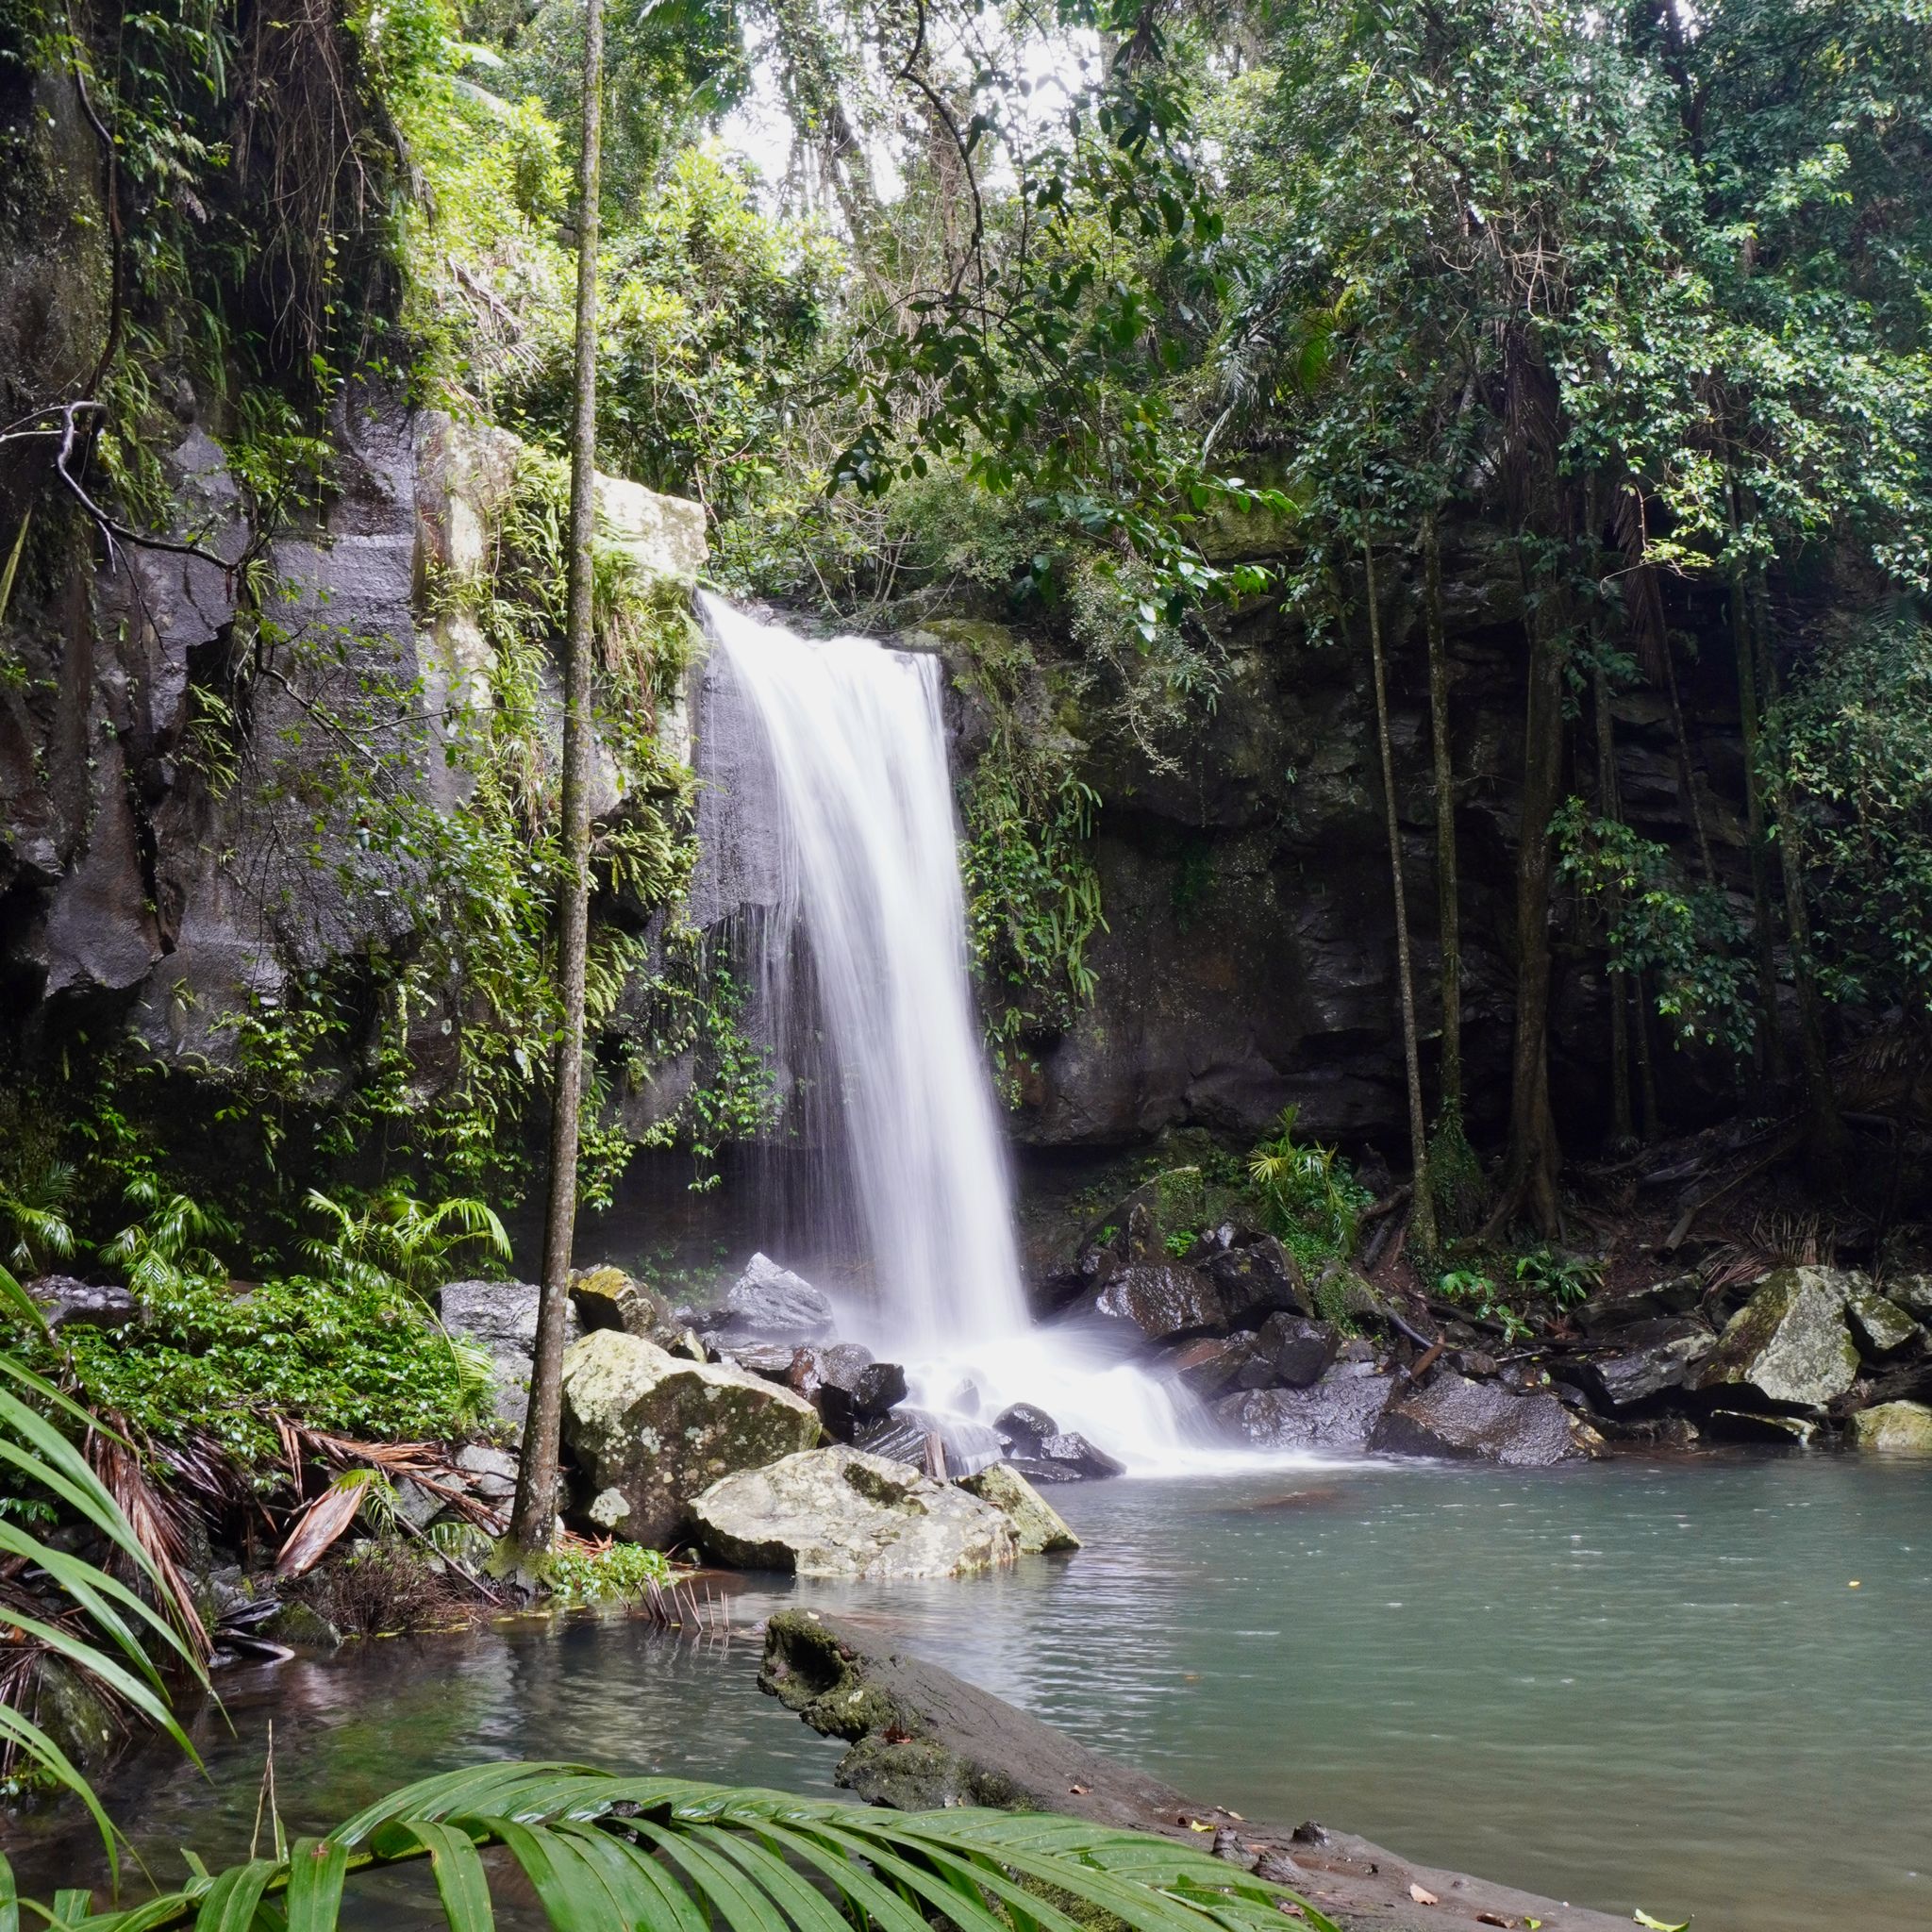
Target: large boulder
[[1164, 1301], [851, 1388], [1894, 1428], [650, 1430], [1789, 1345], [840, 1512], [1913, 1293], [1068, 1457], [940, 1444], [769, 1300], [1216, 1364], [500, 1317], [1451, 1416], [64, 1301], [1258, 1279], [1337, 1414], [1881, 1326], [1298, 1350], [1648, 1357], [1023, 1427], [609, 1298], [1038, 1526]]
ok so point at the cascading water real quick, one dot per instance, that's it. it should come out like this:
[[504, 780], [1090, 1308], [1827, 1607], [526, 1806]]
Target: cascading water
[[866, 875]]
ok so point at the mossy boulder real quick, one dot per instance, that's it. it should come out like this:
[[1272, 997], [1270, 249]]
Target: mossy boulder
[[840, 1512], [651, 1430], [1882, 1326], [1893, 1429], [1789, 1345], [1038, 1526], [607, 1297]]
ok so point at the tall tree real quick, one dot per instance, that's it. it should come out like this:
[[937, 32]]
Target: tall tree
[[1448, 887], [535, 1513], [1422, 1211]]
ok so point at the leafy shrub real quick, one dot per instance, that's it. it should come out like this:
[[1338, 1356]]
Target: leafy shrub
[[1309, 1193], [1471, 1288], [217, 1360], [1565, 1279], [579, 1572]]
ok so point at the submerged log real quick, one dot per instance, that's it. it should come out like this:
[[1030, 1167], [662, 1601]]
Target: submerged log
[[923, 1739]]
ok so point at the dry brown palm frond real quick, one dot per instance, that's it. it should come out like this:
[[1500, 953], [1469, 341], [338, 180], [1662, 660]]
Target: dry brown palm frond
[[156, 1521], [1777, 1239]]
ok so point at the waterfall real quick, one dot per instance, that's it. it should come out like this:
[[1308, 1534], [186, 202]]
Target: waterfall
[[857, 868]]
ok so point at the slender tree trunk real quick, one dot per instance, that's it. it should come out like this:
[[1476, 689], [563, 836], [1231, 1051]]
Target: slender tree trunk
[[1608, 804], [1830, 1144], [1448, 896], [1646, 1061], [535, 1513], [1421, 1213], [1529, 1174], [1686, 781], [1771, 1053]]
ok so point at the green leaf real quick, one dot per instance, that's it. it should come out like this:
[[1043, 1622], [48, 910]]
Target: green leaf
[[316, 1870]]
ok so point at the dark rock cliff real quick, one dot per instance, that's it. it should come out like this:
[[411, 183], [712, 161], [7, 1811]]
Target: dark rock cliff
[[1248, 959]]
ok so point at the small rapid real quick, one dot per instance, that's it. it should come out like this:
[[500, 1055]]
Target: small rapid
[[864, 940]]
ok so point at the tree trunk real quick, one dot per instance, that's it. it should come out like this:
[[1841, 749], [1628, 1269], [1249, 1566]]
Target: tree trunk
[[1421, 1213], [535, 1513], [1828, 1144], [1448, 885], [1646, 1058], [1529, 1174], [1622, 1131], [1771, 1054]]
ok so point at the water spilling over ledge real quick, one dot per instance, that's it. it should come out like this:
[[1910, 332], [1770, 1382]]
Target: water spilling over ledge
[[857, 973]]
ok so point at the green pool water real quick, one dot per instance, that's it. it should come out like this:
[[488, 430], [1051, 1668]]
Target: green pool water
[[1637, 1684]]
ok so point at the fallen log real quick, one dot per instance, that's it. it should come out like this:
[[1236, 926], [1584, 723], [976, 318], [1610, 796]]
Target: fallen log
[[921, 1738]]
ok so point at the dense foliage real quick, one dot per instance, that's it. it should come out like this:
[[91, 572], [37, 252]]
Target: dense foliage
[[1630, 305]]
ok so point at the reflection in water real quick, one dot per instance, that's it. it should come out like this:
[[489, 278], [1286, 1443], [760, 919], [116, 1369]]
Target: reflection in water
[[1640, 1684]]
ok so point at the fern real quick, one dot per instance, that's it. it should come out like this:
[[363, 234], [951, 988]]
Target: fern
[[609, 1853]]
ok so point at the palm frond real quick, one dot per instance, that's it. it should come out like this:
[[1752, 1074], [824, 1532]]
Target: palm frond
[[95, 1623], [608, 1852]]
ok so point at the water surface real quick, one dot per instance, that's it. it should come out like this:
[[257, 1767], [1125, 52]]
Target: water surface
[[1627, 1685]]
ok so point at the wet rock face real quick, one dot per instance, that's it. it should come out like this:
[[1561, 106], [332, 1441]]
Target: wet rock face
[[1789, 1345], [500, 1317], [852, 1390], [840, 1512], [1216, 1365], [124, 906], [1296, 1349], [928, 1440], [650, 1430], [1258, 1279], [1023, 1427], [1164, 1301], [1339, 1413], [768, 1300], [1649, 1358], [1451, 1416]]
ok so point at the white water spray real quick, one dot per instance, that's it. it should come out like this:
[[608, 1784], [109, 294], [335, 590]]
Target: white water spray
[[869, 875]]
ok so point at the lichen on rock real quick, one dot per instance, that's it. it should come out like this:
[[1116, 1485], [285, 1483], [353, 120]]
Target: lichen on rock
[[651, 1430]]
